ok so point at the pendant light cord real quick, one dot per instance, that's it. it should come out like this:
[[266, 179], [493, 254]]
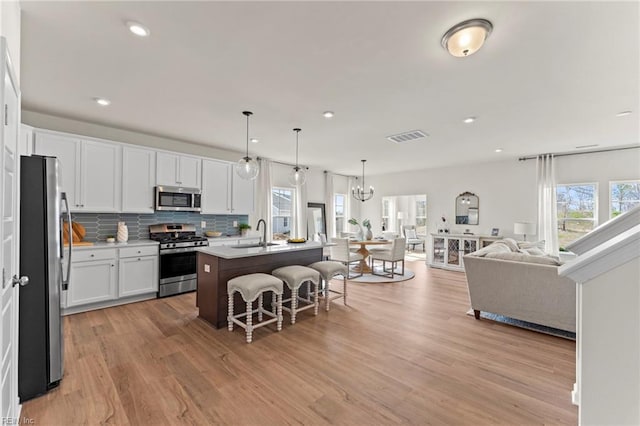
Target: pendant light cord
[[297, 133], [247, 114]]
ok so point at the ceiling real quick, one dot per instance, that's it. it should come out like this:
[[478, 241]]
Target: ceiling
[[551, 77]]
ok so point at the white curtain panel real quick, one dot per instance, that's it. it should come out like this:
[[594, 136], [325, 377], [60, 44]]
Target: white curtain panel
[[348, 205], [547, 206], [329, 206], [300, 230], [263, 196]]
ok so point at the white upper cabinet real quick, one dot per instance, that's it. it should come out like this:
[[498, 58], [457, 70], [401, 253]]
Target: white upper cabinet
[[223, 192], [100, 177], [242, 193], [138, 179], [178, 170], [216, 198], [90, 170], [67, 150]]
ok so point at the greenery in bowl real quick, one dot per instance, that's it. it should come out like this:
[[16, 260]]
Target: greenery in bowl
[[243, 226]]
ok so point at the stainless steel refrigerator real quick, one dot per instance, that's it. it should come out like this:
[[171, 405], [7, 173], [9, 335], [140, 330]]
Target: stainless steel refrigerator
[[43, 213]]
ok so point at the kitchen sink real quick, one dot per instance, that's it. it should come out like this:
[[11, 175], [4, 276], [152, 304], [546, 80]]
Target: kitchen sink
[[252, 245]]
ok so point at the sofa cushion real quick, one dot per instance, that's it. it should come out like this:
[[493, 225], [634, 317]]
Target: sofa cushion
[[530, 244], [533, 251], [527, 258], [495, 247]]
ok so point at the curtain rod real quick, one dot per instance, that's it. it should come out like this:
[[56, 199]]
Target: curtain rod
[[283, 163], [565, 154], [340, 174]]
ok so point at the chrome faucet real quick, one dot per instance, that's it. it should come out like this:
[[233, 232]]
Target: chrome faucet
[[263, 241]]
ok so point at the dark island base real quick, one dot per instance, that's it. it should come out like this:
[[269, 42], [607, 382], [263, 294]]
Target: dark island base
[[212, 285]]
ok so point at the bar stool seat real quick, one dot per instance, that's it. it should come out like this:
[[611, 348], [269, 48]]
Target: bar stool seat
[[252, 287], [329, 269], [294, 276]]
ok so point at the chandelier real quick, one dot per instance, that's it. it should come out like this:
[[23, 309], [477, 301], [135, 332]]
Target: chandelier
[[358, 192], [247, 168]]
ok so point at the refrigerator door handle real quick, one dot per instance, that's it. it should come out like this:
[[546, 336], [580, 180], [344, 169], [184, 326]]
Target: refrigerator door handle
[[65, 283]]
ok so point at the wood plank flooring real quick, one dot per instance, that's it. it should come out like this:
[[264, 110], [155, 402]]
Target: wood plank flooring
[[400, 353]]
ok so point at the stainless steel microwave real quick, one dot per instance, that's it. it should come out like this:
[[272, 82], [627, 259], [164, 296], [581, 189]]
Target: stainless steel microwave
[[177, 199]]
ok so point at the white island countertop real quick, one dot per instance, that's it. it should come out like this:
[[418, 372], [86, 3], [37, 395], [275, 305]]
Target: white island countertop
[[229, 252]]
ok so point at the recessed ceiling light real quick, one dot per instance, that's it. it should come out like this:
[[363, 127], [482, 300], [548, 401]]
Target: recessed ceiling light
[[254, 140], [498, 149], [328, 114], [623, 113], [469, 120], [138, 29], [102, 101]]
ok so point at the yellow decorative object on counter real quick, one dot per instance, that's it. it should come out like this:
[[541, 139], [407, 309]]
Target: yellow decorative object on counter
[[297, 240]]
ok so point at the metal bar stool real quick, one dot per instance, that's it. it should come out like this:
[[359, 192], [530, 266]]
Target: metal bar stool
[[327, 270], [250, 287], [294, 276]]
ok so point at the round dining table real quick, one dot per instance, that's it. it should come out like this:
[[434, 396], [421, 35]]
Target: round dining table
[[363, 267]]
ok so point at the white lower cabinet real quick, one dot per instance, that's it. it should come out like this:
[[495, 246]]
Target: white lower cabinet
[[138, 275], [92, 281], [103, 277]]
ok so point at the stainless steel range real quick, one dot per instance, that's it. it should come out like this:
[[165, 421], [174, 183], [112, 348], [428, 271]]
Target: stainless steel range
[[178, 244]]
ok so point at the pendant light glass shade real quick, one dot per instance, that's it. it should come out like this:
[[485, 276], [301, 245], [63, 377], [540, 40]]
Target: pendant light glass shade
[[298, 175], [247, 168]]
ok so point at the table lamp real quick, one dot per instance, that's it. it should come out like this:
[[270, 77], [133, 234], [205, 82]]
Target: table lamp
[[524, 228]]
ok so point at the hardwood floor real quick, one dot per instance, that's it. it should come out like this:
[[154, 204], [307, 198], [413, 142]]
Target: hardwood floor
[[400, 353]]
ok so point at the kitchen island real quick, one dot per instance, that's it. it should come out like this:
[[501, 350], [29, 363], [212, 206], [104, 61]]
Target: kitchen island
[[217, 265]]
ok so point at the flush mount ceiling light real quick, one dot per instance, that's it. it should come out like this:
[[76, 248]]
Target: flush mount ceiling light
[[102, 101], [498, 149], [138, 29], [359, 193], [328, 114], [469, 120], [247, 168], [467, 37], [255, 140], [623, 113], [297, 176]]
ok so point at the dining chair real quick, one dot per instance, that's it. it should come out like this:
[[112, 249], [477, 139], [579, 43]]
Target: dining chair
[[340, 253], [394, 255]]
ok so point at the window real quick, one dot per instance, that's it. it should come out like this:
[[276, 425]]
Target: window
[[577, 211], [623, 195], [386, 213], [339, 200], [421, 216], [282, 206]]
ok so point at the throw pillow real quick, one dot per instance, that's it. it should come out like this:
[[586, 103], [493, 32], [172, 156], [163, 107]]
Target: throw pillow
[[511, 243], [531, 244], [521, 257], [495, 247]]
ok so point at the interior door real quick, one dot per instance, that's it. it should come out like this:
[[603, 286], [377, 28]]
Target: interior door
[[9, 405]]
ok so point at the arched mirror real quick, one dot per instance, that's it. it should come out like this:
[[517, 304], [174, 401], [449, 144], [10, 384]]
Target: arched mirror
[[467, 205]]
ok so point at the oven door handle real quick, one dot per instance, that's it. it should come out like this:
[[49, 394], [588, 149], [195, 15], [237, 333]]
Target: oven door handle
[[178, 250]]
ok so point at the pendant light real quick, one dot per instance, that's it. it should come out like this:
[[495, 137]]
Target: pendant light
[[298, 176], [359, 193], [247, 168]]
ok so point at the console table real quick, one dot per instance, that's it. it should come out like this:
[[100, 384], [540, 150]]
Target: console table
[[447, 250]]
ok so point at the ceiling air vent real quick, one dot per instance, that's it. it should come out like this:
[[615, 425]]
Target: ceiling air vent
[[407, 136]]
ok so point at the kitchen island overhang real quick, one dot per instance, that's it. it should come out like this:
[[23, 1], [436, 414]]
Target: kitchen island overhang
[[217, 265]]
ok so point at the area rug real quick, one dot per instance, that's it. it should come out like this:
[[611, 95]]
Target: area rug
[[370, 278], [528, 325], [412, 256]]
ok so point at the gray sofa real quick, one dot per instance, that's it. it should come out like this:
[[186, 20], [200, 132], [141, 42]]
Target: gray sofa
[[523, 290]]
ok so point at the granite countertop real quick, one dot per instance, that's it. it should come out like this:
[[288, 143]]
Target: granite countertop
[[227, 252], [105, 245]]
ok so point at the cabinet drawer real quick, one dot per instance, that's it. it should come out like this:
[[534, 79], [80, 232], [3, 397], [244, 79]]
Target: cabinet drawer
[[85, 255], [138, 251]]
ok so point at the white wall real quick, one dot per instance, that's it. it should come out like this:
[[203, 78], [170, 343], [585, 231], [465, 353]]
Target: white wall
[[506, 189]]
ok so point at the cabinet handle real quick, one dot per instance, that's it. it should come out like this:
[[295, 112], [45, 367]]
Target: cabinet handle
[[92, 255], [112, 265], [139, 259], [139, 251]]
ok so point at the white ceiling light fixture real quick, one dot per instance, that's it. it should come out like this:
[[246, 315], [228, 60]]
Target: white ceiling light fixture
[[359, 193], [467, 37], [328, 114], [297, 176], [138, 29], [255, 140], [247, 168], [469, 120], [102, 101], [623, 113], [498, 149]]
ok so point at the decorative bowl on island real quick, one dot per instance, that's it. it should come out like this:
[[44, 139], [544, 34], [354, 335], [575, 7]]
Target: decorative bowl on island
[[212, 233], [297, 240]]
